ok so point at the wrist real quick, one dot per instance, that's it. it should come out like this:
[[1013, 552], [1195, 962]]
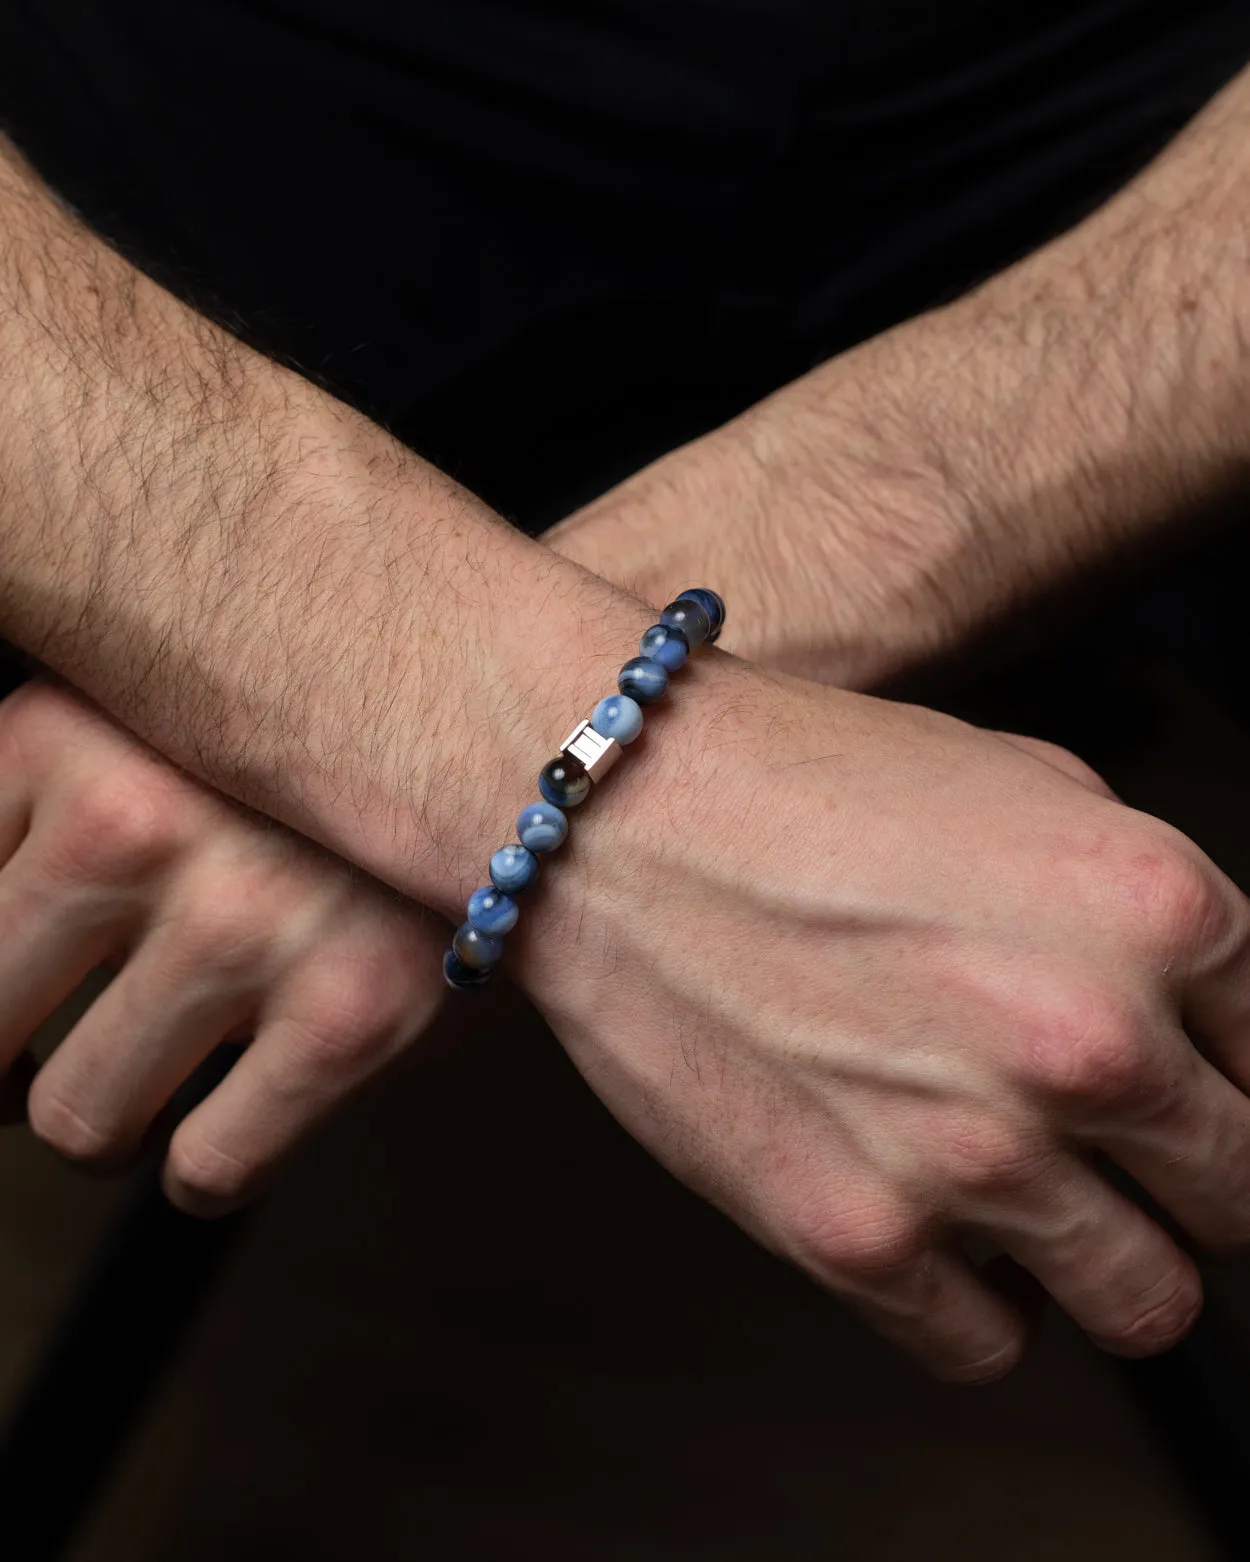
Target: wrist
[[261, 583], [446, 751]]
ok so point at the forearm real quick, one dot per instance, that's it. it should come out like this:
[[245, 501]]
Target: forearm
[[1090, 396], [261, 583], [876, 510]]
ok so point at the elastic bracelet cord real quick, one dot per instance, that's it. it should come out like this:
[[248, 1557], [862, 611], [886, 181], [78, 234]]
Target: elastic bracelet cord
[[695, 618]]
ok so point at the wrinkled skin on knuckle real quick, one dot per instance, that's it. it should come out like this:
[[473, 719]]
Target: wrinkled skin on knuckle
[[351, 1015], [215, 935], [60, 1125], [201, 1178], [1164, 892], [869, 1243], [1089, 1050], [984, 1159], [1158, 1320]]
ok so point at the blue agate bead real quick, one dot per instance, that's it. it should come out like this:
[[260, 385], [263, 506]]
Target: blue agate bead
[[493, 912], [564, 782], [643, 680], [472, 947], [461, 976], [691, 617], [617, 717], [666, 645], [513, 869], [713, 603], [542, 827]]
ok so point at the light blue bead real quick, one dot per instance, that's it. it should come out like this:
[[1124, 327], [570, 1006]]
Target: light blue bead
[[542, 827], [643, 680], [617, 717], [513, 869], [493, 912], [476, 949], [666, 645]]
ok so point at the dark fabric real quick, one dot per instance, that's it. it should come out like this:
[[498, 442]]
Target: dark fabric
[[546, 240]]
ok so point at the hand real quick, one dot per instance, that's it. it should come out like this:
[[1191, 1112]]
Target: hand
[[872, 980], [224, 925]]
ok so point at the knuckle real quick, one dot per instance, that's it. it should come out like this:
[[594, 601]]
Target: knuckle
[[1161, 1318], [60, 1126], [199, 1172], [1169, 889], [1091, 1050], [218, 934], [122, 828], [32, 709], [987, 1158], [349, 1016], [874, 1242]]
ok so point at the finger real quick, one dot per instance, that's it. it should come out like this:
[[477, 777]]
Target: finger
[[924, 1298], [137, 1043], [51, 938], [956, 1326], [305, 1062], [1059, 759], [1104, 1261], [1190, 1150]]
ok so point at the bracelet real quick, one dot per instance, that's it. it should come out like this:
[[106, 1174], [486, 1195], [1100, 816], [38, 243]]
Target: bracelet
[[586, 755]]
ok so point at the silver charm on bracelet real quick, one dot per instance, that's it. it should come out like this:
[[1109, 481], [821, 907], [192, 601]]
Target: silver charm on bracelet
[[596, 752]]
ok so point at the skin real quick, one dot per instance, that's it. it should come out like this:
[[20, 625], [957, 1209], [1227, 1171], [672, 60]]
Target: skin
[[779, 949], [1090, 403], [221, 924]]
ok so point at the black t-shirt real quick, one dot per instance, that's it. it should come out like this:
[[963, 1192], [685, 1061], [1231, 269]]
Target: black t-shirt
[[544, 239]]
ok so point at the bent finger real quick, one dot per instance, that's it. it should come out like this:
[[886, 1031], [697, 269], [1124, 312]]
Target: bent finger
[[127, 1056], [51, 939], [299, 1070], [926, 1299], [1190, 1151], [1106, 1263]]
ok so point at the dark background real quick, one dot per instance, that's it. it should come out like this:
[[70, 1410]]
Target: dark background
[[544, 242]]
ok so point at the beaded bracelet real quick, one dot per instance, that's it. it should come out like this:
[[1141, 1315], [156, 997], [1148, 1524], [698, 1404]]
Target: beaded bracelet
[[586, 756]]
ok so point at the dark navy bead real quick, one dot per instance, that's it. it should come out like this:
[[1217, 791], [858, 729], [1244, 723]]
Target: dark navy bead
[[564, 782], [480, 950], [513, 869], [666, 645], [464, 978], [691, 617], [493, 912], [714, 605], [643, 680], [542, 827]]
